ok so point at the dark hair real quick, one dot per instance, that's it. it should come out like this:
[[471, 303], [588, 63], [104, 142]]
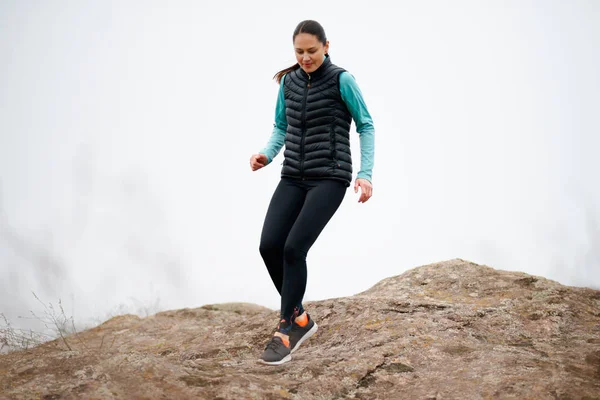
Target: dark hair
[[306, 26]]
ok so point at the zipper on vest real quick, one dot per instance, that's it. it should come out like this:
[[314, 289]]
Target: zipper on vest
[[303, 127]]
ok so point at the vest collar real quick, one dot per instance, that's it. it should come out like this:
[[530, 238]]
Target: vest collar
[[319, 71]]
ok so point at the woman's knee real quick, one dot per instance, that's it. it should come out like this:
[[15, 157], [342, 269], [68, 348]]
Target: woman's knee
[[293, 254], [268, 248]]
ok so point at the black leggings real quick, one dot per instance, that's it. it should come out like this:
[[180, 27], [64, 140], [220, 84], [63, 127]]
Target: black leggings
[[298, 212]]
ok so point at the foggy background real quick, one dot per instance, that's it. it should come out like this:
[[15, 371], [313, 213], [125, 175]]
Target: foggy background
[[126, 128]]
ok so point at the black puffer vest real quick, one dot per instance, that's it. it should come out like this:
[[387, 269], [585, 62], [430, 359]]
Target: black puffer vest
[[317, 141]]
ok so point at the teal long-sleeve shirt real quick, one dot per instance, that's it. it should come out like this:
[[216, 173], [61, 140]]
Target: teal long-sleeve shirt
[[352, 96]]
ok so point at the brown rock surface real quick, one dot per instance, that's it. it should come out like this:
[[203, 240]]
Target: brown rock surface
[[450, 330]]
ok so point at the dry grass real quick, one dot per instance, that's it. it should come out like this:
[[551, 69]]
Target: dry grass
[[58, 326]]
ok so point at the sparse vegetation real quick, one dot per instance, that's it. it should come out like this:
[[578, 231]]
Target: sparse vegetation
[[59, 326]]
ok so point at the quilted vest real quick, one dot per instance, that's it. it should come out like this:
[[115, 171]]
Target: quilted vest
[[317, 141]]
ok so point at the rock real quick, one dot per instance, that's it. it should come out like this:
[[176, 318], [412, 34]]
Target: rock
[[449, 330]]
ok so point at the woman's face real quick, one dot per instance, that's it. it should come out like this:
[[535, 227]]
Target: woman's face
[[310, 52]]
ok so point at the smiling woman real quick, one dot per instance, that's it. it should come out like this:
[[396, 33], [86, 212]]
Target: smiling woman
[[311, 47], [316, 104]]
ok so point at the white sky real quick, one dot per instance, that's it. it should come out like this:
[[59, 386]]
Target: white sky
[[126, 129]]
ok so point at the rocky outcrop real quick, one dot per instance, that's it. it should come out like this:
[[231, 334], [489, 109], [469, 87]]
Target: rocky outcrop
[[450, 330]]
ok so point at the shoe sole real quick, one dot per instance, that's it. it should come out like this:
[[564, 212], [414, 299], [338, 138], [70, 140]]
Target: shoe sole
[[283, 360], [307, 335]]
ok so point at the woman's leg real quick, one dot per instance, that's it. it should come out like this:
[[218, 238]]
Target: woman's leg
[[322, 201], [298, 212], [283, 210]]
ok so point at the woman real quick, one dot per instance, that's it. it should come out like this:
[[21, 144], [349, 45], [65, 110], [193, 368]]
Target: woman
[[316, 104]]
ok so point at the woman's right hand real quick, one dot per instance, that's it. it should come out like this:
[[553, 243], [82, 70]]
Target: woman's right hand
[[257, 161]]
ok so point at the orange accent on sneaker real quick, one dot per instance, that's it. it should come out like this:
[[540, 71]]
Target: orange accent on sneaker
[[284, 338], [302, 320]]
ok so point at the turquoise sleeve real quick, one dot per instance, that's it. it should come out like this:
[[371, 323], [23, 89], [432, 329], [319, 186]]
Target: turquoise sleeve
[[353, 98], [277, 139]]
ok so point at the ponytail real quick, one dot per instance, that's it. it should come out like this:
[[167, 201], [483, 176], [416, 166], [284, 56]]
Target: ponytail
[[281, 73]]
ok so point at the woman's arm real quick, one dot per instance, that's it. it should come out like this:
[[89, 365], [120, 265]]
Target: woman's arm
[[355, 102], [277, 139]]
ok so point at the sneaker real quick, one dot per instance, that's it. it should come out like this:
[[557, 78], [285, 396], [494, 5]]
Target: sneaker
[[302, 328], [276, 352]]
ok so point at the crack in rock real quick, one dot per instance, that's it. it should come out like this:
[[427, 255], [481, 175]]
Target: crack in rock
[[407, 308], [368, 378], [394, 367]]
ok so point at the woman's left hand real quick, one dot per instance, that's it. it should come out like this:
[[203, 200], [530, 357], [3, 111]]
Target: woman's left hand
[[366, 189]]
